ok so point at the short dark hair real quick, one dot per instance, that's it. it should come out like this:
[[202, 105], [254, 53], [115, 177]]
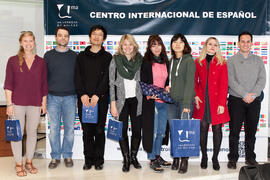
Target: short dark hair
[[187, 48], [61, 27], [98, 27], [245, 33]]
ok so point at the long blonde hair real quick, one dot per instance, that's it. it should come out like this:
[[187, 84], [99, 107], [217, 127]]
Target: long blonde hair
[[218, 54], [132, 41], [20, 53]]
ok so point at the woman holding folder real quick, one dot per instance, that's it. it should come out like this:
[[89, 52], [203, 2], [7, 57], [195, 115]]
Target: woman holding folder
[[154, 114]]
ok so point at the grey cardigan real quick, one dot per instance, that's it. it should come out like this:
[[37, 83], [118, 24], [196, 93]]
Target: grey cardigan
[[120, 89]]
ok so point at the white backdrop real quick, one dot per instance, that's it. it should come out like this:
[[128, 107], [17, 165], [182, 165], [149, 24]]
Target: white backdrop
[[17, 16], [228, 47]]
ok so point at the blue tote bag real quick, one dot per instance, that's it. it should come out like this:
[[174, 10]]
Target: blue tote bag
[[114, 130], [185, 137], [13, 130], [90, 114]]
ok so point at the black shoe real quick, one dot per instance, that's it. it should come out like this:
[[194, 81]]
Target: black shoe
[[216, 166], [68, 162], [183, 166], [87, 166], [154, 164], [134, 161], [99, 167], [162, 162], [175, 164], [231, 165], [54, 163], [251, 162], [204, 162]]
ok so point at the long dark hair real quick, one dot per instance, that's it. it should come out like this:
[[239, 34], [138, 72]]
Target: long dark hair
[[152, 40], [187, 48]]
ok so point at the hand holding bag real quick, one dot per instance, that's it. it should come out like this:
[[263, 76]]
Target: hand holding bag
[[13, 130], [255, 172], [185, 137], [114, 130], [90, 114]]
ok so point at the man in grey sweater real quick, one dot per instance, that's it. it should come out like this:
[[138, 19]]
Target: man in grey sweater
[[61, 98], [247, 78]]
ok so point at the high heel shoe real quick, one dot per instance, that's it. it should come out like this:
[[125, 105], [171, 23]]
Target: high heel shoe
[[204, 162], [216, 166], [215, 163]]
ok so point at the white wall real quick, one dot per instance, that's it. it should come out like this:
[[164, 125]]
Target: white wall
[[17, 16]]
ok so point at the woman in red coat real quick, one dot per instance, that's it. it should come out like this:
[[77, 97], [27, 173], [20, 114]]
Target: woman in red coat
[[211, 85]]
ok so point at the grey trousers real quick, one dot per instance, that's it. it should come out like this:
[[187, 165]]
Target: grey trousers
[[32, 116]]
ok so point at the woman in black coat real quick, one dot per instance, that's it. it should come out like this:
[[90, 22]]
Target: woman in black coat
[[154, 70]]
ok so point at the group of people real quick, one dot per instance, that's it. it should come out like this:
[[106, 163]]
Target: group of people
[[63, 80]]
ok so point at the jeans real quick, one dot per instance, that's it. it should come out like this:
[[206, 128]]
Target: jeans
[[61, 107], [160, 123], [175, 111]]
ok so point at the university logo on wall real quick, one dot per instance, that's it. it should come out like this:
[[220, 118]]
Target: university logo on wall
[[65, 12]]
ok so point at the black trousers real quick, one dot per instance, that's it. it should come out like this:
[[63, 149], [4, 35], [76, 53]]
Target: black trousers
[[130, 109], [94, 134], [249, 114]]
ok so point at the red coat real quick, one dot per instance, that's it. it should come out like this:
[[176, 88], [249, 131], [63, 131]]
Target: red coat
[[217, 90]]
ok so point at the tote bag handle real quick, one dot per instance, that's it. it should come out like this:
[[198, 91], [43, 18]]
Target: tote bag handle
[[183, 114]]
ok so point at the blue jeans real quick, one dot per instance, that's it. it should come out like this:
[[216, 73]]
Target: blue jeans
[[175, 111], [61, 107], [160, 123]]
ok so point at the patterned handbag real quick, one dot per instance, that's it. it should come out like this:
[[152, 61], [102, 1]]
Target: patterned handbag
[[150, 90]]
